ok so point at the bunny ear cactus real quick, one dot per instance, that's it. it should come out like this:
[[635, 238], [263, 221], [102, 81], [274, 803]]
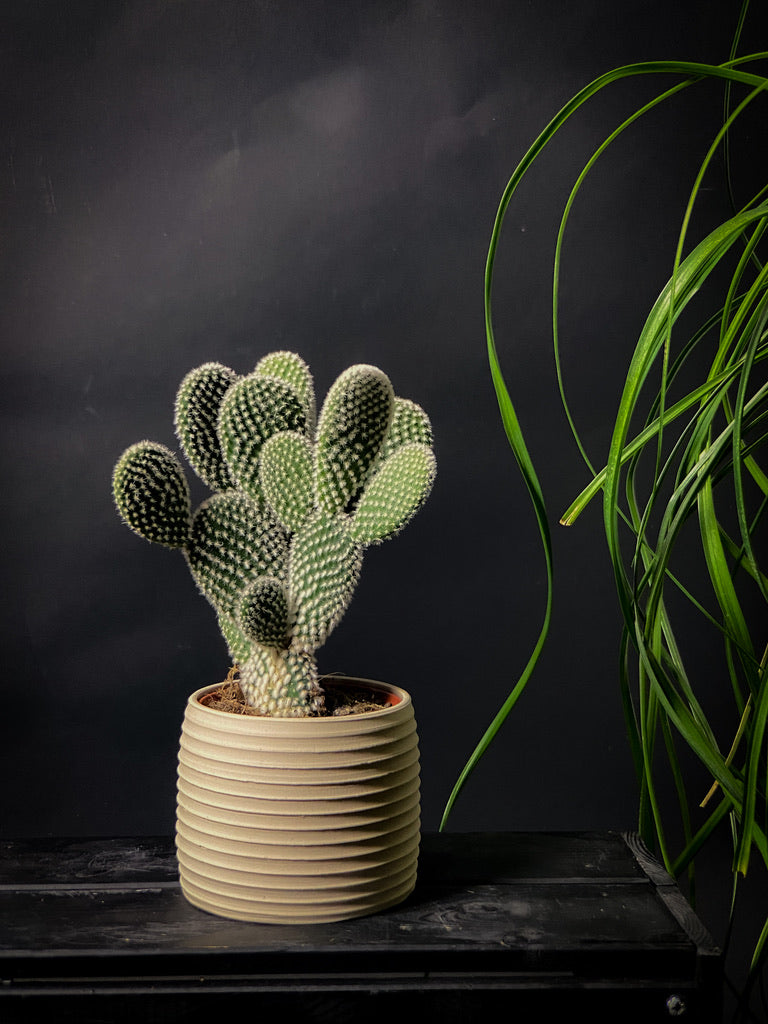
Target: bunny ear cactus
[[277, 549]]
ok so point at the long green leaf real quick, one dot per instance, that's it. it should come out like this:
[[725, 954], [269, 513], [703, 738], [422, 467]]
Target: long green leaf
[[718, 435], [692, 70]]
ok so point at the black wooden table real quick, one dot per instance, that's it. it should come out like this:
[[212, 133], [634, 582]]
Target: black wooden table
[[513, 923]]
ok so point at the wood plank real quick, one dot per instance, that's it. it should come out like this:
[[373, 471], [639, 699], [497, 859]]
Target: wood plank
[[527, 913]]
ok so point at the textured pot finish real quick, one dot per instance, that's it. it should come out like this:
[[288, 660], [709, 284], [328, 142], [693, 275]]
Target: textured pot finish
[[298, 820]]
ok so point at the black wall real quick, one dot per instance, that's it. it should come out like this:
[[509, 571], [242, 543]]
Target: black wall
[[193, 180]]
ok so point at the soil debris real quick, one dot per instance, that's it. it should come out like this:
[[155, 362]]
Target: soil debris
[[340, 698]]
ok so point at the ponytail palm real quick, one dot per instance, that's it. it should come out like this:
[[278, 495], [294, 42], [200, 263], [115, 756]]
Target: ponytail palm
[[688, 454]]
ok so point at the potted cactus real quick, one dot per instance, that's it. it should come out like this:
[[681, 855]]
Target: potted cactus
[[299, 808]]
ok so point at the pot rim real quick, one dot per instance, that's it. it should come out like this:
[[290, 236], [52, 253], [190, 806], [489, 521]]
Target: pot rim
[[399, 699]]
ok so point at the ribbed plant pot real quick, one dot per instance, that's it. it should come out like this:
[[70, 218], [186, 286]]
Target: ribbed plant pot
[[298, 820]]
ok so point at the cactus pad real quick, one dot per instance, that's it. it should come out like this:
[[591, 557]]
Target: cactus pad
[[152, 494], [263, 612], [353, 423], [232, 541], [253, 410], [395, 493], [292, 369], [198, 402], [286, 477]]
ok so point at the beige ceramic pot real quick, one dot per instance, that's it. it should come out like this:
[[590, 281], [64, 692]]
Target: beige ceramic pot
[[298, 820]]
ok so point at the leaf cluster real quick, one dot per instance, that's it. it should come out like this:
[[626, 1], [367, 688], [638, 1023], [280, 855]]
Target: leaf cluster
[[689, 430]]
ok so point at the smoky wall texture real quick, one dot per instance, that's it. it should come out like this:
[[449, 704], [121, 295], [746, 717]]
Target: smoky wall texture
[[185, 180]]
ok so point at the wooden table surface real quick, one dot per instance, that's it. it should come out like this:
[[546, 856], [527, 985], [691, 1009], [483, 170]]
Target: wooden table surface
[[97, 930]]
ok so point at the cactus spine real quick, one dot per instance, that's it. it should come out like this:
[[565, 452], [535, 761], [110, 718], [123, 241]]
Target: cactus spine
[[277, 549]]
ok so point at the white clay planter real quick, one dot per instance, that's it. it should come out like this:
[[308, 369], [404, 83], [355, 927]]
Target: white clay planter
[[298, 820]]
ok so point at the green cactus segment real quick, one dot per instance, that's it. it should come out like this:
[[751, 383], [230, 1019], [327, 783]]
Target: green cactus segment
[[233, 540], [253, 410], [354, 421], [286, 477], [394, 495], [238, 645], [409, 423], [198, 402], [152, 494], [293, 370], [277, 548], [264, 612], [323, 570], [281, 684]]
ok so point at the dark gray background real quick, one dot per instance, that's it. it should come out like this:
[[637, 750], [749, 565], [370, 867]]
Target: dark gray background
[[210, 180]]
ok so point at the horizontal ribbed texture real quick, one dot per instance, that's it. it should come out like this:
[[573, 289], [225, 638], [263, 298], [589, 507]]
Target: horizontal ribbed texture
[[298, 820]]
